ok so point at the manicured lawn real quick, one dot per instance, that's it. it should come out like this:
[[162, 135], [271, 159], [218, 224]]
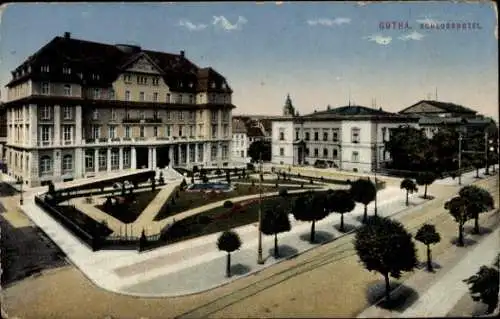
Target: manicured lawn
[[86, 223], [132, 208], [220, 219], [274, 181], [188, 200]]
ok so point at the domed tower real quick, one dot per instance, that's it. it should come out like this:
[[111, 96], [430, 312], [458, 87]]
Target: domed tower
[[288, 109]]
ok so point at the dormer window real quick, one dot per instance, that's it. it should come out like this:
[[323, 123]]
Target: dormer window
[[156, 81], [190, 84], [45, 68], [97, 93], [66, 70], [213, 85], [224, 85], [180, 84], [80, 75], [127, 78], [95, 76]]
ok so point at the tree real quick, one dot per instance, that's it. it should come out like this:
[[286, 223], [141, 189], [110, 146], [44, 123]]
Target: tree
[[259, 148], [340, 201], [483, 286], [363, 191], [479, 201], [228, 204], [410, 187], [425, 179], [408, 148], [310, 208], [457, 207], [229, 241], [384, 245], [275, 221], [427, 235]]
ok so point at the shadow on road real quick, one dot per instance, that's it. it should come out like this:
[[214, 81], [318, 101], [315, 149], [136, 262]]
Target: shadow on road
[[482, 230], [239, 269], [423, 265], [320, 237], [467, 242], [285, 251], [402, 296], [347, 227]]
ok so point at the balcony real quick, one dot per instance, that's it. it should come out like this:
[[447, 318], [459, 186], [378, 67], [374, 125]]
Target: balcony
[[142, 121], [45, 143]]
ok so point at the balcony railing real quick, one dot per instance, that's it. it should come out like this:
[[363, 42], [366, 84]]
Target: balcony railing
[[139, 120]]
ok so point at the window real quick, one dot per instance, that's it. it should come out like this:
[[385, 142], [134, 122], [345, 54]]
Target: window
[[111, 94], [142, 80], [155, 131], [67, 113], [325, 152], [282, 135], [316, 136], [97, 93], [168, 115], [156, 81], [46, 138], [126, 158], [127, 131], [115, 159], [191, 98], [44, 68], [355, 157], [141, 131], [307, 151], [213, 153], [355, 135], [307, 136], [316, 152], [113, 115], [103, 160], [335, 135], [96, 131], [181, 129], [168, 130], [142, 114], [67, 134], [335, 153], [45, 113], [67, 163], [214, 116], [168, 97], [155, 96], [214, 131], [45, 88], [191, 130], [95, 114], [192, 115], [45, 165], [127, 78], [66, 70], [155, 114], [112, 131], [95, 76], [282, 151], [67, 90], [325, 136], [127, 95], [384, 129], [141, 96], [297, 134], [181, 115], [89, 160], [200, 152]]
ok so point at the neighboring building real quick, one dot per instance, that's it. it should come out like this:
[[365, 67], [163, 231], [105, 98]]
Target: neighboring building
[[288, 109], [433, 115], [76, 108], [345, 138], [244, 134], [3, 132]]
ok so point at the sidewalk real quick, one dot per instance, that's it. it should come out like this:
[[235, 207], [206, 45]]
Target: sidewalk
[[439, 292]]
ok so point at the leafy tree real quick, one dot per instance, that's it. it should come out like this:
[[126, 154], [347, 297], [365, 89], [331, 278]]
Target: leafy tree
[[259, 148], [410, 187], [275, 221], [479, 201], [457, 206], [229, 241], [228, 204], [428, 235], [444, 147], [310, 208], [363, 191], [384, 245], [340, 201], [483, 286], [425, 179], [408, 148]]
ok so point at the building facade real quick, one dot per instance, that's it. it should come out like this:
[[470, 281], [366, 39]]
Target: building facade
[[346, 138], [77, 108]]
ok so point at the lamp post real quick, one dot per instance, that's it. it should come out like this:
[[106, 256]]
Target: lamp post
[[260, 261], [21, 199]]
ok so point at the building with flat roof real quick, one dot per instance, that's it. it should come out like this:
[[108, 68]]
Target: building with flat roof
[[77, 108]]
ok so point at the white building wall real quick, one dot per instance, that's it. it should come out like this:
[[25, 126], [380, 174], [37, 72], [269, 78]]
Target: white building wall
[[240, 145], [282, 150]]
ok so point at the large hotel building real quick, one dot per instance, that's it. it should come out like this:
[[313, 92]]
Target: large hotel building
[[77, 108]]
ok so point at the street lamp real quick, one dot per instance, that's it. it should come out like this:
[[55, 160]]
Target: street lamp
[[21, 200], [260, 261]]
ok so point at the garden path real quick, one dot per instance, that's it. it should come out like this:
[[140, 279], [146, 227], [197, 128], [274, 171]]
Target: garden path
[[97, 214]]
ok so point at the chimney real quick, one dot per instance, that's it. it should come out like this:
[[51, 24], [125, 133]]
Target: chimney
[[182, 53], [67, 35]]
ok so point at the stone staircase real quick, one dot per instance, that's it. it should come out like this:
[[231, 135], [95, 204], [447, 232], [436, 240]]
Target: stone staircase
[[169, 174]]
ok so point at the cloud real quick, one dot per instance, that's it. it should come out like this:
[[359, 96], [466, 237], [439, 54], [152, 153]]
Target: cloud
[[429, 21], [223, 22], [191, 26], [412, 36], [379, 39], [328, 22]]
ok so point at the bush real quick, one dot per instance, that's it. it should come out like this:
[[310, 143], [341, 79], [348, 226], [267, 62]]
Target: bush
[[228, 204]]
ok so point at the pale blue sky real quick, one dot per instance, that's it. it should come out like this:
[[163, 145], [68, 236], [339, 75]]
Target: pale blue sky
[[317, 52]]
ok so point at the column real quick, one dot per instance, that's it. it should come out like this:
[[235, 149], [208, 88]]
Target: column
[[133, 161], [153, 155], [171, 155], [78, 125], [188, 153], [57, 163], [196, 152], [109, 159], [96, 160], [179, 154], [57, 125], [120, 158], [206, 157], [33, 136], [79, 162]]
